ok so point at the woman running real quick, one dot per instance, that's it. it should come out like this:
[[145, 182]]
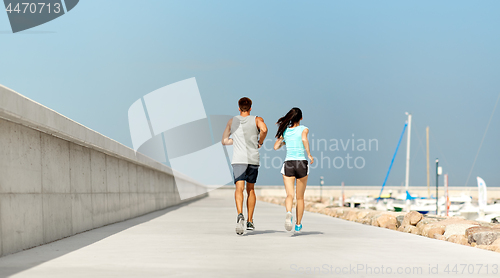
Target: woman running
[[294, 135]]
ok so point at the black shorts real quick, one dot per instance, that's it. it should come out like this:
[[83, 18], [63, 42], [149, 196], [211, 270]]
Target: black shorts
[[245, 172], [295, 168]]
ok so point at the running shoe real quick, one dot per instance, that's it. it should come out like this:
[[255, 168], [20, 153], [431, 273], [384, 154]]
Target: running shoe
[[240, 224], [250, 225], [288, 221], [298, 227]]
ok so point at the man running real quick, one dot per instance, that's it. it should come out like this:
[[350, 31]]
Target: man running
[[248, 134]]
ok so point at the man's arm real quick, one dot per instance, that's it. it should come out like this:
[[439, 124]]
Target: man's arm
[[263, 130], [225, 135]]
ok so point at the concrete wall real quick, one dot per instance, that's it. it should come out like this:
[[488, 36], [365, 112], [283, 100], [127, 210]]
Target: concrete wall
[[59, 178]]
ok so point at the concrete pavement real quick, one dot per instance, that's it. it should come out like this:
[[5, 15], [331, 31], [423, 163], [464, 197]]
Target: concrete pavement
[[198, 239]]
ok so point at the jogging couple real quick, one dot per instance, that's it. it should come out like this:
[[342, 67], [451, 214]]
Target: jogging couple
[[247, 136]]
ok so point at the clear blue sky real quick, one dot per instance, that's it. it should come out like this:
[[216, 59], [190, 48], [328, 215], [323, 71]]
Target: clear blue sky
[[353, 67]]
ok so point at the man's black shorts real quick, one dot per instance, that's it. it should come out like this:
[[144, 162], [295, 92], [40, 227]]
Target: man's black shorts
[[295, 168], [245, 172]]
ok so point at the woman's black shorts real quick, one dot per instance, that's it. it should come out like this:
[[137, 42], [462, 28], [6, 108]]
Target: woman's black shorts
[[295, 168]]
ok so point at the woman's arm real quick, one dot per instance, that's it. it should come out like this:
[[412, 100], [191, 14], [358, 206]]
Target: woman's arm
[[305, 141], [225, 136], [279, 143]]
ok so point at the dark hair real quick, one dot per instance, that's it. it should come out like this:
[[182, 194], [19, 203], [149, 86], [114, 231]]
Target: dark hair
[[245, 104], [293, 116]]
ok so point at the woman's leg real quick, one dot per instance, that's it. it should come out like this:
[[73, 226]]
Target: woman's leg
[[289, 188], [301, 188]]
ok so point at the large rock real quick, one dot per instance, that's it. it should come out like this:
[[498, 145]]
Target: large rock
[[408, 229], [410, 220], [331, 212], [439, 237], [482, 235], [362, 214], [435, 232], [496, 242], [387, 221], [456, 220], [456, 229], [314, 207], [367, 218], [373, 217], [428, 223], [324, 210], [424, 225], [413, 217], [400, 219], [459, 239], [341, 211], [352, 215]]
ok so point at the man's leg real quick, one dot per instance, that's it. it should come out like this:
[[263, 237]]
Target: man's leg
[[238, 195], [251, 199], [239, 177]]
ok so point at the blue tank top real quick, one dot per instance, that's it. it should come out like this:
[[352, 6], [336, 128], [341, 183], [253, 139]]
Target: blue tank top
[[293, 141]]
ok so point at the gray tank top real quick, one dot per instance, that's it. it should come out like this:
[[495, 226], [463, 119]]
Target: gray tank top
[[245, 136]]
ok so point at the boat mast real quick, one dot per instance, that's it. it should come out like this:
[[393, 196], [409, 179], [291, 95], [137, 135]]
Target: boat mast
[[407, 179], [392, 162], [428, 169]]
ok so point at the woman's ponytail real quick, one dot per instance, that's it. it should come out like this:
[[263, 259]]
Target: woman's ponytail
[[293, 116]]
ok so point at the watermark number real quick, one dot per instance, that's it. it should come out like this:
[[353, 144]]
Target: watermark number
[[34, 8]]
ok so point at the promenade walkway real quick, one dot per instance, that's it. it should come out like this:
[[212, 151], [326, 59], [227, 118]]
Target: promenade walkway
[[198, 240]]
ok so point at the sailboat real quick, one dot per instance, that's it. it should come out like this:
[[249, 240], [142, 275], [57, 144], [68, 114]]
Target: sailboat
[[482, 211], [428, 205], [424, 205], [399, 203], [454, 205]]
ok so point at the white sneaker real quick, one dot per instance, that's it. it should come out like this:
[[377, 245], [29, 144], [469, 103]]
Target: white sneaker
[[240, 224], [288, 221]]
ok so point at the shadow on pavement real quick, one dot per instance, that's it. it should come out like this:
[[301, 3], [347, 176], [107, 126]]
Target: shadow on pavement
[[307, 233], [249, 233], [24, 260]]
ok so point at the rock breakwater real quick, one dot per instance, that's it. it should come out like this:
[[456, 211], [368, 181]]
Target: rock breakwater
[[452, 229]]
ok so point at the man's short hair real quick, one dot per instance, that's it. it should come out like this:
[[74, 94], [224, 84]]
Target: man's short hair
[[245, 104]]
